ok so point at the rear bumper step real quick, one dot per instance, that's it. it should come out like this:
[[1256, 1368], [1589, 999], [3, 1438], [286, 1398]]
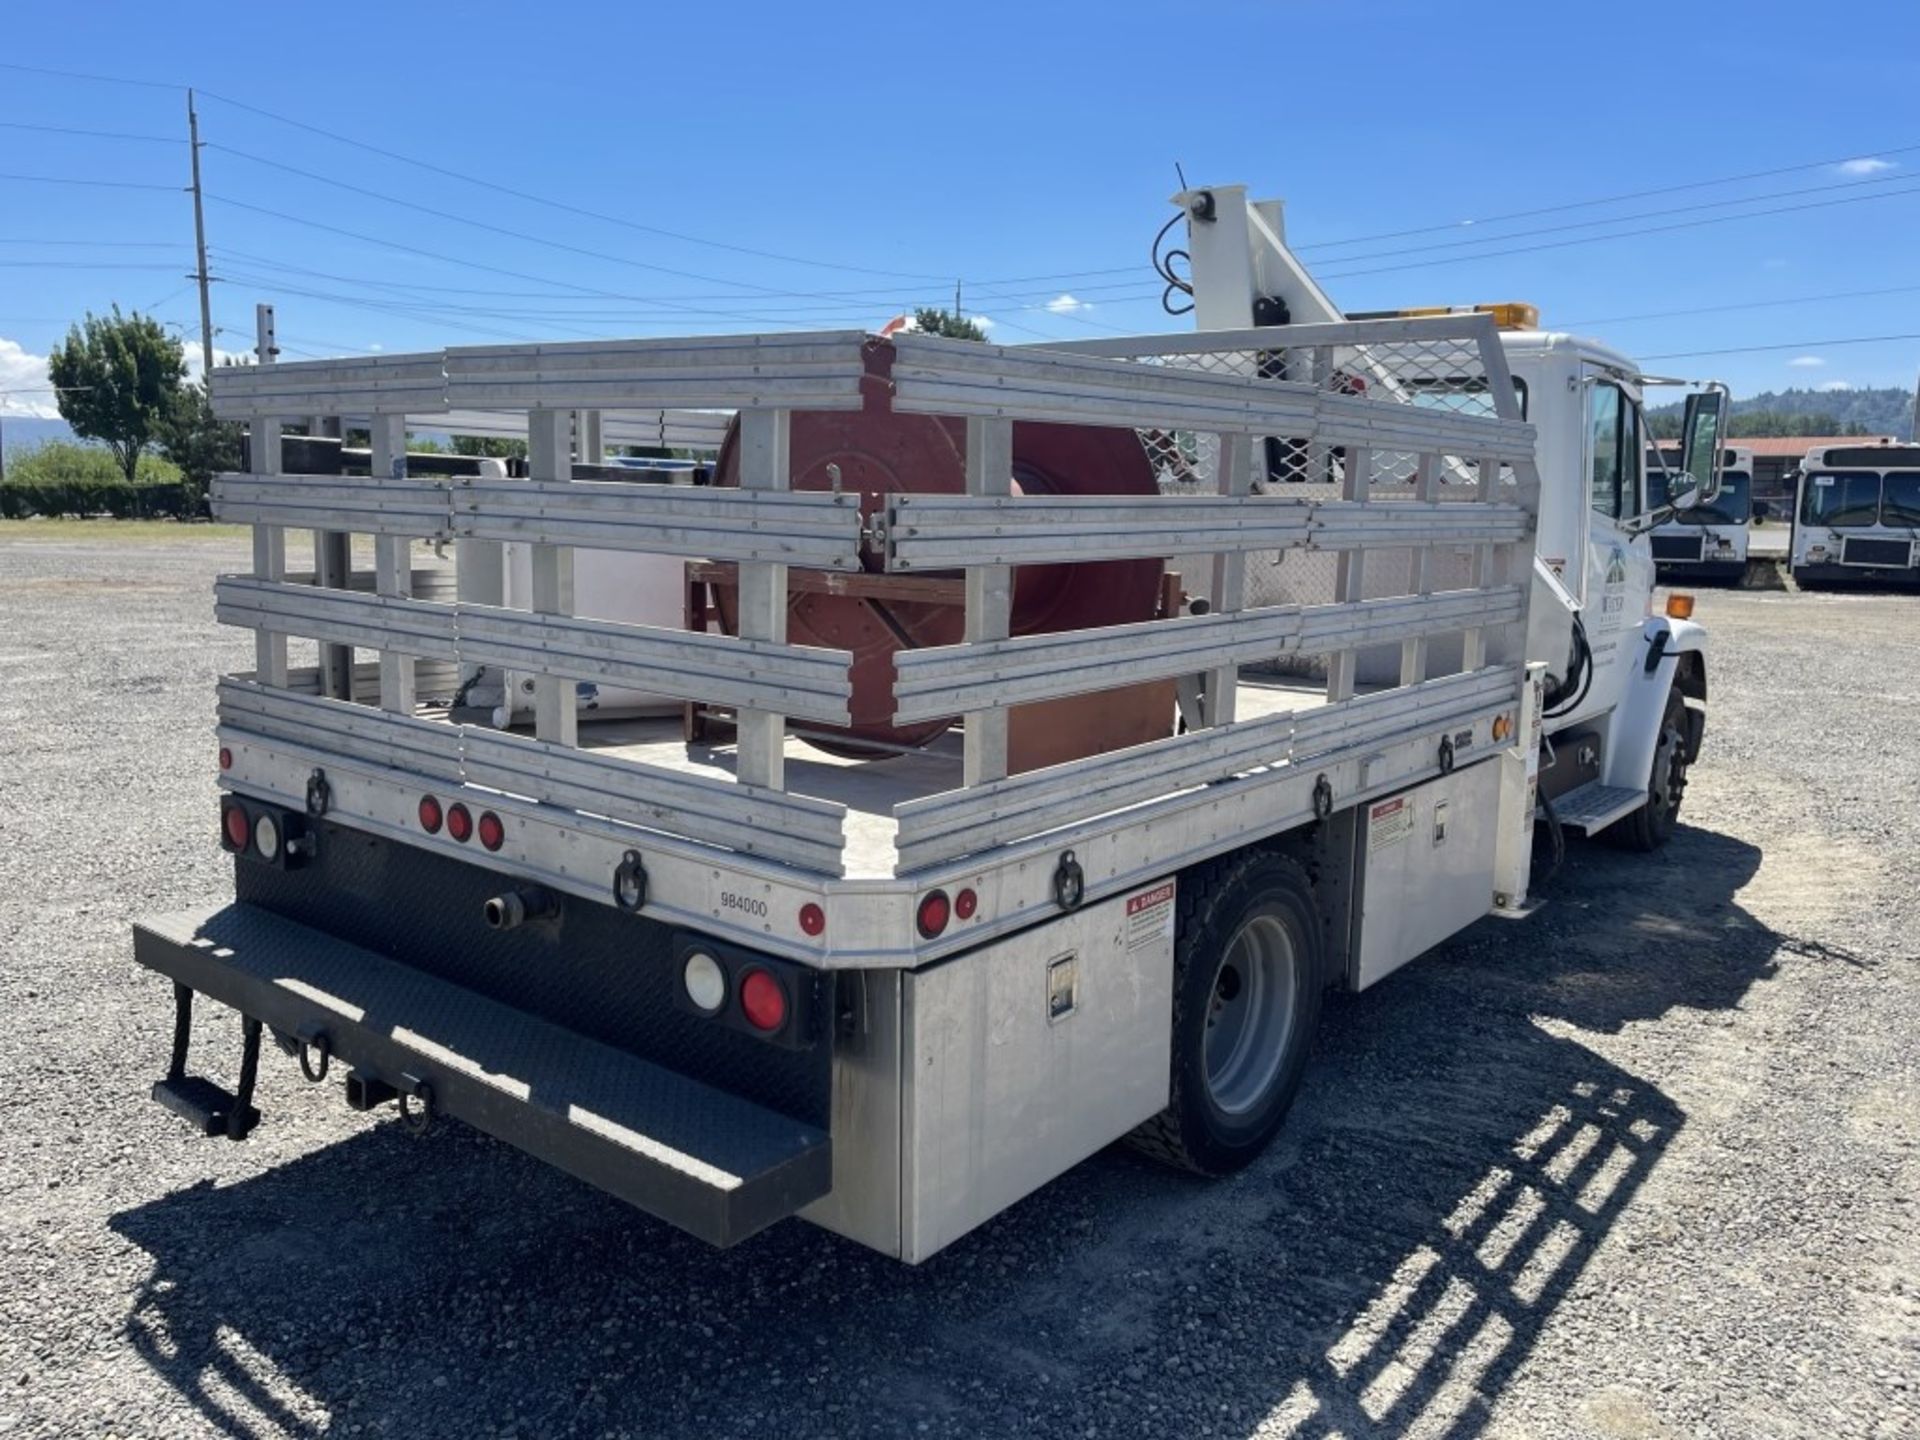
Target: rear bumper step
[[715, 1165]]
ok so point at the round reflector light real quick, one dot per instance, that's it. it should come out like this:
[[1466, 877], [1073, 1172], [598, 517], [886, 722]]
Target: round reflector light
[[493, 834], [935, 911], [813, 920], [233, 823], [762, 1001], [460, 823], [706, 982], [965, 903], [226, 758], [266, 837], [430, 816]]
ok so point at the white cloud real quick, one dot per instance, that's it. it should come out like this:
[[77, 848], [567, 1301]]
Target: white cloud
[[376, 347], [1066, 305], [1866, 165], [1835, 385], [985, 322], [23, 381], [1806, 362], [220, 357]]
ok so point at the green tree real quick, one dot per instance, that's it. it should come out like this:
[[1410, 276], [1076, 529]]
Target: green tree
[[945, 322], [494, 447], [193, 439], [118, 378]]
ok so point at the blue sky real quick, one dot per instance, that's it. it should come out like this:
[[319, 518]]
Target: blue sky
[[831, 165]]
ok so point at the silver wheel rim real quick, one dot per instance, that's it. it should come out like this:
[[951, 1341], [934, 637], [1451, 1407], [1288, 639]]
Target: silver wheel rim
[[1669, 770], [1250, 1015]]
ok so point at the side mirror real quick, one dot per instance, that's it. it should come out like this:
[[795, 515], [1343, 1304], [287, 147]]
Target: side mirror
[[1683, 490], [1703, 434]]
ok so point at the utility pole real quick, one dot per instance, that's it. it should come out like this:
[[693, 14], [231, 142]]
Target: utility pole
[[957, 311], [200, 245]]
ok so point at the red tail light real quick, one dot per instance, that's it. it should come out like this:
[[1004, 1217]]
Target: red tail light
[[965, 903], [430, 816], [935, 911], [460, 823], [762, 1001], [493, 834], [813, 920], [235, 829]]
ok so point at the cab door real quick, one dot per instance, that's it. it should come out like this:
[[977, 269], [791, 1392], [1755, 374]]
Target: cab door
[[1618, 575]]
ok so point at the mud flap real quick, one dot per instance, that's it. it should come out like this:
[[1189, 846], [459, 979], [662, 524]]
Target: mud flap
[[712, 1163]]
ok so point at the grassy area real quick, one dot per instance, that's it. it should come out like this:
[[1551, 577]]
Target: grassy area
[[119, 532]]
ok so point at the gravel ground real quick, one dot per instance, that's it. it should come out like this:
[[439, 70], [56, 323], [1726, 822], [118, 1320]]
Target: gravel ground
[[1645, 1165]]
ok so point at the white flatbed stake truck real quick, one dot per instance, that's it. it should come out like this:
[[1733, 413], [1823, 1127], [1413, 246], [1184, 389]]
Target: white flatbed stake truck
[[752, 962]]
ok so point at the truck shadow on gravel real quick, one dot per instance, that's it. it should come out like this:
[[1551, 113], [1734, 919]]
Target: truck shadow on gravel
[[1457, 1158]]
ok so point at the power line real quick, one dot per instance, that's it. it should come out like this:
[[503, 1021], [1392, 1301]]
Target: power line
[[1609, 199], [101, 244], [83, 265], [561, 205], [74, 180], [586, 290], [1790, 345], [1745, 305], [1625, 219], [1624, 234], [94, 134], [83, 75]]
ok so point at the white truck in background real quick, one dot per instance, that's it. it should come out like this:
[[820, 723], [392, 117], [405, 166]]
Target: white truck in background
[[1856, 516], [1708, 542], [900, 921]]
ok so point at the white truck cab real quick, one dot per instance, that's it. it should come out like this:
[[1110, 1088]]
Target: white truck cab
[[1626, 682]]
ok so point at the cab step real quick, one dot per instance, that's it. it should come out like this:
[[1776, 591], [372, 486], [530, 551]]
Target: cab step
[[1592, 807]]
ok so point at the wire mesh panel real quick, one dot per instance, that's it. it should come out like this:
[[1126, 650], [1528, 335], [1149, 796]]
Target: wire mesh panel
[[1443, 373]]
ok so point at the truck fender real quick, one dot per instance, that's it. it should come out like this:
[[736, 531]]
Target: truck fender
[[1671, 653]]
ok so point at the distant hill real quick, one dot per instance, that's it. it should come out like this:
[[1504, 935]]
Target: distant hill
[[20, 433], [1886, 411]]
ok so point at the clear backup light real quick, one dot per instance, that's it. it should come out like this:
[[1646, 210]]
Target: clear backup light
[[705, 982], [266, 836]]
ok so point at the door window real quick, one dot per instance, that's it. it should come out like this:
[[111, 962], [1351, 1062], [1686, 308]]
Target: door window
[[1606, 455]]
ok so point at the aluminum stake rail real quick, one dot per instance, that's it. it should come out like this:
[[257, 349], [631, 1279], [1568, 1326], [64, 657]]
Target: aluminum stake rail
[[736, 843]]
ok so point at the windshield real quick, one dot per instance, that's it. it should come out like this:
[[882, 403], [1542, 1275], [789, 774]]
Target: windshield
[[1841, 498], [1901, 503], [1463, 394], [1732, 506]]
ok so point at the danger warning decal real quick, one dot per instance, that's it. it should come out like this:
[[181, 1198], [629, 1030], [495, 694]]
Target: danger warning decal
[[1150, 916], [1388, 823]]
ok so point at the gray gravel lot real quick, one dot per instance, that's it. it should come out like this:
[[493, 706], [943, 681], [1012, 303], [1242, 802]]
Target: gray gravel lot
[[1645, 1165]]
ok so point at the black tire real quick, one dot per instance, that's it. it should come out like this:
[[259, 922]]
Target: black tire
[[1264, 895], [1653, 824]]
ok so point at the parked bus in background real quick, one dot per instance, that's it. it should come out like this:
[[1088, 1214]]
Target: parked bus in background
[[1857, 517], [1708, 542]]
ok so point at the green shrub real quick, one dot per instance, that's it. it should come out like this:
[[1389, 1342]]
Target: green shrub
[[60, 478]]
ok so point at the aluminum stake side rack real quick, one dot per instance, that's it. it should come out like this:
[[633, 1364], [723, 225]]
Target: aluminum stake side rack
[[740, 979]]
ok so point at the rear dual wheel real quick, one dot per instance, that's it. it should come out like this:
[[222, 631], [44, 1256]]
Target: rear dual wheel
[[1246, 999]]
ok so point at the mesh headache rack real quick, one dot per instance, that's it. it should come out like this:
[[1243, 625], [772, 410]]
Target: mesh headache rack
[[1352, 502]]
